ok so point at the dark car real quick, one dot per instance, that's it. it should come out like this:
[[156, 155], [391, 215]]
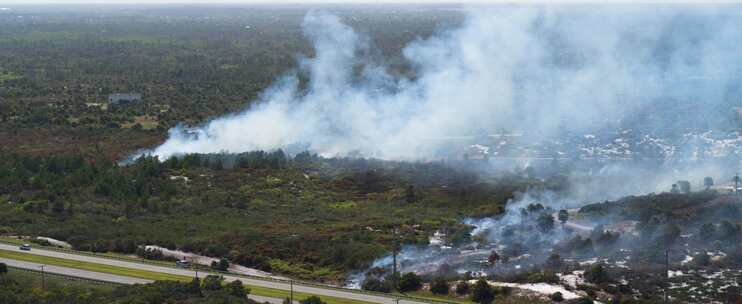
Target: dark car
[[25, 247]]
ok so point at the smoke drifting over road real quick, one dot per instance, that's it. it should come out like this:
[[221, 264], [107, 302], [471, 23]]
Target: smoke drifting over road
[[542, 70]]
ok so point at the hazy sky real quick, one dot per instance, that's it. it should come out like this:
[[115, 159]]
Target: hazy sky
[[21, 2], [230, 1]]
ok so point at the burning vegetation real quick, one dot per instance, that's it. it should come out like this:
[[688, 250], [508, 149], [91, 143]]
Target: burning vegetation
[[636, 249], [510, 154]]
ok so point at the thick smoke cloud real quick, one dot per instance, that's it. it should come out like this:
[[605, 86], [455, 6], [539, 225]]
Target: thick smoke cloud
[[542, 70]]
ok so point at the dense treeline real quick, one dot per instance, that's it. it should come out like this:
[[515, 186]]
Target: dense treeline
[[53, 185], [312, 217], [253, 160], [300, 214]]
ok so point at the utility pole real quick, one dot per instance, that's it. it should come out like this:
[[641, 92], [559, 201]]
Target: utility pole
[[395, 250], [291, 292], [667, 272], [43, 279], [194, 265], [394, 259]]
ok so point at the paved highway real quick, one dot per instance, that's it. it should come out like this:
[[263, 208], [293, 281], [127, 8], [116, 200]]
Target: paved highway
[[330, 292], [74, 272], [104, 276]]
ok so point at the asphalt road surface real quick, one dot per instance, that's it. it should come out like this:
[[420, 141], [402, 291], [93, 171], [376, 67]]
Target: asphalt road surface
[[74, 272], [104, 276], [329, 292]]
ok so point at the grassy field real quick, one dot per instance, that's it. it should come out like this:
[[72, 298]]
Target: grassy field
[[150, 275]]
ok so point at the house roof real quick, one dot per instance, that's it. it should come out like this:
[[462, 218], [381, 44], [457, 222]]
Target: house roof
[[125, 96]]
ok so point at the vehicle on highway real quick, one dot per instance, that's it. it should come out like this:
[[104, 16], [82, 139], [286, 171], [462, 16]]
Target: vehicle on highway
[[25, 247], [183, 264]]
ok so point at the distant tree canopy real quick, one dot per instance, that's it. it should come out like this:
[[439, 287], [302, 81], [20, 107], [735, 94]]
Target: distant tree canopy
[[546, 222], [597, 274], [684, 186], [254, 160]]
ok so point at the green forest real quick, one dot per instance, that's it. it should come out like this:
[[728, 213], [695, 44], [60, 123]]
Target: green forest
[[62, 143], [257, 209], [59, 65], [73, 168]]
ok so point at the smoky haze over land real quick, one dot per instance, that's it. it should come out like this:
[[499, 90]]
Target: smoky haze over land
[[544, 72], [540, 70]]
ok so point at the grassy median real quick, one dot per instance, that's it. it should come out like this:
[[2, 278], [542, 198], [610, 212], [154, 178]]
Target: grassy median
[[33, 279]]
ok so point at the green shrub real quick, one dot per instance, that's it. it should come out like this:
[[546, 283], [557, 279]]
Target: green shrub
[[482, 292], [375, 284], [439, 286], [409, 282], [462, 288]]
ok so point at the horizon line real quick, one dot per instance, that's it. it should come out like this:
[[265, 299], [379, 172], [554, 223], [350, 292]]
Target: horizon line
[[360, 2]]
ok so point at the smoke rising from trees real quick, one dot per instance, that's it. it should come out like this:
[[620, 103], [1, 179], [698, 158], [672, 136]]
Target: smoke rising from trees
[[542, 70]]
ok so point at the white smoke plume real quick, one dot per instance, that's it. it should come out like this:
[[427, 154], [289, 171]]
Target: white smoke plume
[[536, 69]]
